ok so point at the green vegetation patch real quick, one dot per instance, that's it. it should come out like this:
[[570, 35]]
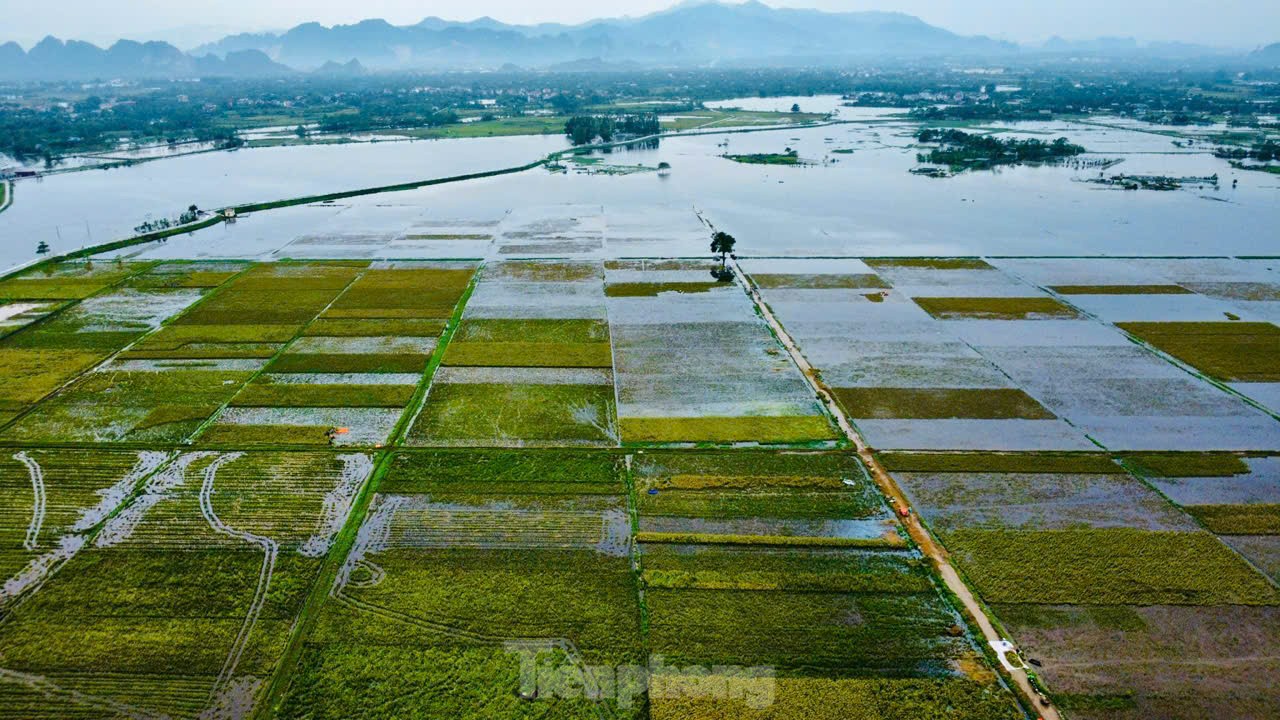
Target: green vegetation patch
[[786, 158], [957, 263], [530, 354], [760, 428], [512, 414], [997, 308], [1188, 464], [906, 634], [1111, 566], [403, 293], [68, 281], [1083, 463], [1260, 519], [1120, 290], [933, 403], [544, 271], [29, 375], [744, 484], [813, 698], [852, 281], [1226, 351], [746, 568], [349, 363], [652, 289], [185, 341], [243, 435], [504, 471], [398, 327], [129, 406], [885, 541], [531, 343]]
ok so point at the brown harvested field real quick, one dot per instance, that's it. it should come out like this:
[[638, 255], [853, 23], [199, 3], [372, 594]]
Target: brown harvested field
[[996, 308], [651, 289], [1226, 351], [1167, 662], [1247, 291], [991, 462], [855, 281], [1120, 290], [1261, 550], [930, 263], [935, 403]]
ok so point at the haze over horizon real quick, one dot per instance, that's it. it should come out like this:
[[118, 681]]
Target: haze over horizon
[[1227, 23]]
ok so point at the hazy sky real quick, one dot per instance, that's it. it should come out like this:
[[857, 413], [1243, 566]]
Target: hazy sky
[[1242, 23]]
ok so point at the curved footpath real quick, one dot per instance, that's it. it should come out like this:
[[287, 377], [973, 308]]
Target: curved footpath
[[911, 521]]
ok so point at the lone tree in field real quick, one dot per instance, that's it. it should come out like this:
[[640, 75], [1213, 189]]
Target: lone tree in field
[[722, 243], [42, 248]]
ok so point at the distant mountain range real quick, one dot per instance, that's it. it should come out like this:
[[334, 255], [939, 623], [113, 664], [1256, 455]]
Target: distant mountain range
[[53, 59], [693, 34]]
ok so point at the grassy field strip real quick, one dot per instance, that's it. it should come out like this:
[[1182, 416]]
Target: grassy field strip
[[280, 351], [419, 401], [6, 195], [1154, 351], [897, 499]]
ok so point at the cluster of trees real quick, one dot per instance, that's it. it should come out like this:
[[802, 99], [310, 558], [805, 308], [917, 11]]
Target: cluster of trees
[[964, 150], [1263, 152], [586, 129]]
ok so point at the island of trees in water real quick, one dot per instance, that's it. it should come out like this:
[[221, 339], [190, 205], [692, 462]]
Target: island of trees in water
[[586, 129], [960, 150]]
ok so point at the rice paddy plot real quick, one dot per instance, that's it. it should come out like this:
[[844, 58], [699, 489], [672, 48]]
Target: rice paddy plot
[[808, 613], [745, 494], [703, 368], [1226, 351], [68, 280], [552, 231], [1032, 501], [1103, 389], [181, 605], [124, 404], [53, 500], [462, 553], [15, 315], [904, 377], [1106, 566], [537, 408], [338, 426], [1176, 662]]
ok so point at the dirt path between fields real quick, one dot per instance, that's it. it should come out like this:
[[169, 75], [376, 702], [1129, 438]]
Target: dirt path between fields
[[936, 554]]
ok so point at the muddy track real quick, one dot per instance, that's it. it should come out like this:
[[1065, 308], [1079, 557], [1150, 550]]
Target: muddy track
[[39, 501]]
